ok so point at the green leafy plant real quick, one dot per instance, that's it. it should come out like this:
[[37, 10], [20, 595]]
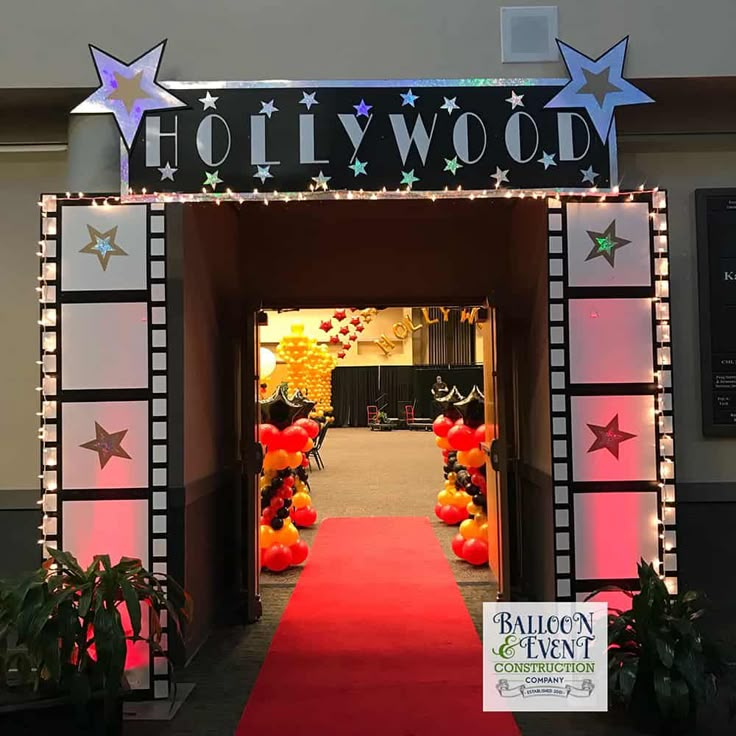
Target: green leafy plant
[[659, 665], [69, 619]]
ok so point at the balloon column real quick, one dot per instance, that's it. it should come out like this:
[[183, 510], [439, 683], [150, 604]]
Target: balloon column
[[295, 349], [319, 377], [467, 470], [452, 500], [285, 500]]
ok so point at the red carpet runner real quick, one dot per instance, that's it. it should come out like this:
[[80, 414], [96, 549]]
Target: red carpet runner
[[375, 641]]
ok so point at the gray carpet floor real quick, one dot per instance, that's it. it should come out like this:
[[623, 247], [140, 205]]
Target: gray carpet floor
[[366, 474]]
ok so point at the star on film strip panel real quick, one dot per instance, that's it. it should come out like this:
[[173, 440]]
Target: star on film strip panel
[[611, 392]]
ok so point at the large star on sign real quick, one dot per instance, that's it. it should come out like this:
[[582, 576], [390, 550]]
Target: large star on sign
[[597, 85], [608, 437], [103, 245], [606, 244], [128, 91], [107, 445]]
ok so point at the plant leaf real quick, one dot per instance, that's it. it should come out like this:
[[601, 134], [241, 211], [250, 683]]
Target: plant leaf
[[133, 605], [663, 690], [665, 652]]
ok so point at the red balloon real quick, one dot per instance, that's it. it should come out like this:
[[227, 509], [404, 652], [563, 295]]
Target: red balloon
[[475, 551], [305, 462], [309, 426], [304, 516], [276, 503], [293, 438], [277, 557], [442, 425], [438, 510], [477, 479], [299, 552], [269, 436], [288, 481], [462, 438], [457, 545], [453, 514]]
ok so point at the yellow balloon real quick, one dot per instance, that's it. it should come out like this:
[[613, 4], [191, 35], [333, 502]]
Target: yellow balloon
[[288, 535], [293, 460], [472, 509], [266, 535], [300, 500], [461, 499], [469, 529], [445, 497]]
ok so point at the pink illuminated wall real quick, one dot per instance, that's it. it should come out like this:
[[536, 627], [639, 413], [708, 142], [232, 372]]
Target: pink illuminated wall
[[612, 532]]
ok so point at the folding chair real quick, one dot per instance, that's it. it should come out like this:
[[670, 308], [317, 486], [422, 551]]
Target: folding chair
[[314, 452]]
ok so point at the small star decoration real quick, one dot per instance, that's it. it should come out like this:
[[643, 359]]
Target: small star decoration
[[452, 165], [501, 176], [606, 244], [362, 109], [515, 100], [408, 99], [212, 179], [263, 173], [308, 99], [408, 178], [107, 445], [449, 105], [320, 181], [358, 167], [608, 437], [103, 245], [268, 108]]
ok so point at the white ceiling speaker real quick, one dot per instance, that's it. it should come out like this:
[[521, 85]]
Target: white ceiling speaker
[[529, 33]]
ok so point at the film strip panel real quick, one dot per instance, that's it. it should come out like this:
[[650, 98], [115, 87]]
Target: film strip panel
[[611, 392], [104, 390]]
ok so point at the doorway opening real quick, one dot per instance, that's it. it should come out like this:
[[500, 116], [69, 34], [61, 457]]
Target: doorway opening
[[408, 255], [376, 443]]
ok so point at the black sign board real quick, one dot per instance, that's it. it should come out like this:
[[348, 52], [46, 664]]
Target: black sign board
[[716, 228], [367, 135]]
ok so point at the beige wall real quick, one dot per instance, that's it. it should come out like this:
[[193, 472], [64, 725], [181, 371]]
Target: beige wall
[[22, 179], [367, 352], [324, 39], [681, 165]]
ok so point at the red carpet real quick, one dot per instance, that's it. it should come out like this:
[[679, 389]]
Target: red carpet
[[375, 641]]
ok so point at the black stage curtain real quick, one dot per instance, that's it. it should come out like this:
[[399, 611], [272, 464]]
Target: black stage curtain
[[393, 387]]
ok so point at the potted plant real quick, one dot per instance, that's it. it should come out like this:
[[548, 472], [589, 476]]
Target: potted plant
[[660, 667], [70, 641]]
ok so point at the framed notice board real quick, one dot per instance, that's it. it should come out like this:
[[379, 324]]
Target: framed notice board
[[716, 233]]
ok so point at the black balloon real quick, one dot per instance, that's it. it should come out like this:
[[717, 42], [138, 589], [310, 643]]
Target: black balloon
[[448, 401], [277, 523], [472, 408], [306, 407], [287, 503], [278, 409], [479, 499], [283, 512]]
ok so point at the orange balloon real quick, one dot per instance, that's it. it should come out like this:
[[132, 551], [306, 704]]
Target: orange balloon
[[266, 535], [309, 445], [442, 443], [276, 460], [293, 460], [474, 458], [469, 529]]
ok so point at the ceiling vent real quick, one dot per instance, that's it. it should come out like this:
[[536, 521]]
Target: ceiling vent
[[529, 33]]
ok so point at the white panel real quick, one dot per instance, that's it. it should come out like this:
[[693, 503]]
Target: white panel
[[631, 261], [81, 467], [636, 456], [84, 271], [612, 532], [105, 345], [118, 528], [611, 341]]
